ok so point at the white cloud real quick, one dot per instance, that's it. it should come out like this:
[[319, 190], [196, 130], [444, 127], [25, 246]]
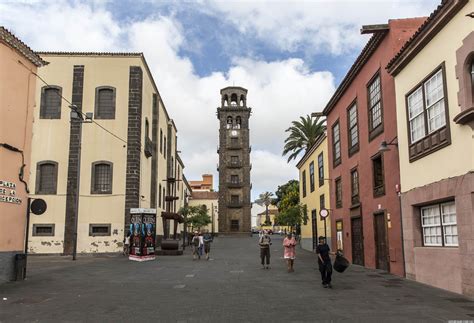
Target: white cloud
[[314, 26]]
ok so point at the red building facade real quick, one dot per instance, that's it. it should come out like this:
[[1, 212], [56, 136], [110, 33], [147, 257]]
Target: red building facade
[[365, 181]]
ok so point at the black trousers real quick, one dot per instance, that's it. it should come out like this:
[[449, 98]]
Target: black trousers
[[326, 272], [265, 254]]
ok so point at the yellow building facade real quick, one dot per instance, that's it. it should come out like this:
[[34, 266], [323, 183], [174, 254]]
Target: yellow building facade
[[434, 81], [314, 193], [210, 200], [121, 167]]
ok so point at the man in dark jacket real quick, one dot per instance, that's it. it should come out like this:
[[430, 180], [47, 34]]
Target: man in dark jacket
[[324, 262], [264, 242]]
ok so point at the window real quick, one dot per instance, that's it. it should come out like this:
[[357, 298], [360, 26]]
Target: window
[[105, 102], [164, 198], [336, 144], [339, 235], [238, 122], [374, 94], [426, 116], [439, 225], [165, 149], [148, 149], [354, 187], [378, 176], [234, 225], [46, 177], [234, 142], [338, 192], [159, 195], [43, 230], [322, 204], [311, 176], [102, 174], [321, 169], [303, 182], [234, 199], [234, 160], [99, 230], [353, 129], [161, 141], [50, 107], [234, 179]]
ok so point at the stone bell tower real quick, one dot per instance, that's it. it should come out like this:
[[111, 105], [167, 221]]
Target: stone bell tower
[[234, 161]]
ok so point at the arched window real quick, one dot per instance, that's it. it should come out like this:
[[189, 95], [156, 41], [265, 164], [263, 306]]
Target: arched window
[[50, 107], [105, 102], [472, 78], [102, 174], [242, 100], [46, 177], [225, 101], [229, 122], [238, 122], [233, 99]]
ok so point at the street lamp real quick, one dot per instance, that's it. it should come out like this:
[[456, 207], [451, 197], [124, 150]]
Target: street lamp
[[384, 145]]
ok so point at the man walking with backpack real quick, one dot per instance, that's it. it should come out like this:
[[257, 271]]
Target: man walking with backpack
[[265, 243]]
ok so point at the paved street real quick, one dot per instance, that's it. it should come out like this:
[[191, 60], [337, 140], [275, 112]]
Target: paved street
[[231, 287]]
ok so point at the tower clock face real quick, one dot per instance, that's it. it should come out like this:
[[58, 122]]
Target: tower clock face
[[233, 133]]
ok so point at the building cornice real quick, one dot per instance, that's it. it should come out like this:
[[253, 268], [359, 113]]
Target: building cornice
[[16, 44], [313, 148]]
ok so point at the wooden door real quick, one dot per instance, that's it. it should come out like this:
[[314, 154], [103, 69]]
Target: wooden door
[[314, 228], [357, 240], [381, 245]]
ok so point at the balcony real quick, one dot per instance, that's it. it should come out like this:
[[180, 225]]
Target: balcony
[[148, 148], [235, 184], [235, 204], [234, 164], [234, 146]]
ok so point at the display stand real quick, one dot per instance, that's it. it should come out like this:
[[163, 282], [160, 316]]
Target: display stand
[[143, 231]]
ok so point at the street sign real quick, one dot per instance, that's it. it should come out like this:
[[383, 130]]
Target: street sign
[[324, 213]]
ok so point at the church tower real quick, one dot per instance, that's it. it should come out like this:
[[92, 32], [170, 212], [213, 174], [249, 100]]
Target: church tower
[[234, 161]]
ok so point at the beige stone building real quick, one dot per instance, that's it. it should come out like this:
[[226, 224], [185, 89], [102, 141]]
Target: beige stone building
[[314, 193], [124, 155], [17, 101], [434, 79], [210, 200]]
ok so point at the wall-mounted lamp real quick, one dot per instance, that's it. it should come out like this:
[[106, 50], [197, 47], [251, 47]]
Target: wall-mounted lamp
[[384, 145]]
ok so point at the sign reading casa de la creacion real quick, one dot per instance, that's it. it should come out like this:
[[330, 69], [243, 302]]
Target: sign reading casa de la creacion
[[8, 193]]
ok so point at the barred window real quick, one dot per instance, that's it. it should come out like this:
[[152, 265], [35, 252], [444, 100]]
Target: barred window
[[43, 230], [105, 102], [303, 182], [46, 177], [375, 104], [50, 107], [378, 176], [338, 192], [320, 169], [99, 230], [355, 186], [439, 225], [311, 176], [102, 174]]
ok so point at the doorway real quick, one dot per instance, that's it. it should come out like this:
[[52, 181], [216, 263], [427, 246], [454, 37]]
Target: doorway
[[314, 227], [381, 244], [357, 239]]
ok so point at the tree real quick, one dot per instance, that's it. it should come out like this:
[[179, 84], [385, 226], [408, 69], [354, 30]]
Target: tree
[[303, 135], [291, 212], [196, 216], [265, 199], [288, 191], [293, 216]]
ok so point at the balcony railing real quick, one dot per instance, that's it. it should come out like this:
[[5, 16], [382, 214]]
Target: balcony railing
[[234, 164], [234, 184], [235, 204], [234, 146]]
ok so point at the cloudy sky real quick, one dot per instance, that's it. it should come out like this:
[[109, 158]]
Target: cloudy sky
[[290, 55]]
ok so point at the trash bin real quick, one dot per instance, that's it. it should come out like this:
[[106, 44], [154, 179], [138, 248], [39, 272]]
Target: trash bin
[[20, 266], [340, 264]]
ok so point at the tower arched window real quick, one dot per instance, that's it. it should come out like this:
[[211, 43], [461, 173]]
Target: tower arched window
[[238, 122], [233, 99], [225, 101], [229, 122], [242, 100], [472, 78]]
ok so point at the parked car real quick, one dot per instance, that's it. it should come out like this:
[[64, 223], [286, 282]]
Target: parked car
[[270, 231]]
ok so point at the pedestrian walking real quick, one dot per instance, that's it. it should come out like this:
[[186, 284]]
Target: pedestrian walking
[[265, 242], [207, 243], [126, 245], [201, 244], [290, 251], [195, 244], [324, 262]]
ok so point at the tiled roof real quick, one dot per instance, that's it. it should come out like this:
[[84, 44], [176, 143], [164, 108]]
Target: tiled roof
[[133, 54], [12, 41], [445, 10], [364, 56], [270, 211], [204, 195]]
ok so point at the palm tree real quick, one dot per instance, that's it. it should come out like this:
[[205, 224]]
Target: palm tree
[[266, 199], [303, 135]]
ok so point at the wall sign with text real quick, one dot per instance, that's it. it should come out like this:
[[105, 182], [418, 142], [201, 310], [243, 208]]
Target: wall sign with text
[[8, 193]]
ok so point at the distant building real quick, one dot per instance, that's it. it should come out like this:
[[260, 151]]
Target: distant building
[[210, 200], [365, 182], [116, 174], [314, 193], [17, 101], [205, 185], [434, 79]]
